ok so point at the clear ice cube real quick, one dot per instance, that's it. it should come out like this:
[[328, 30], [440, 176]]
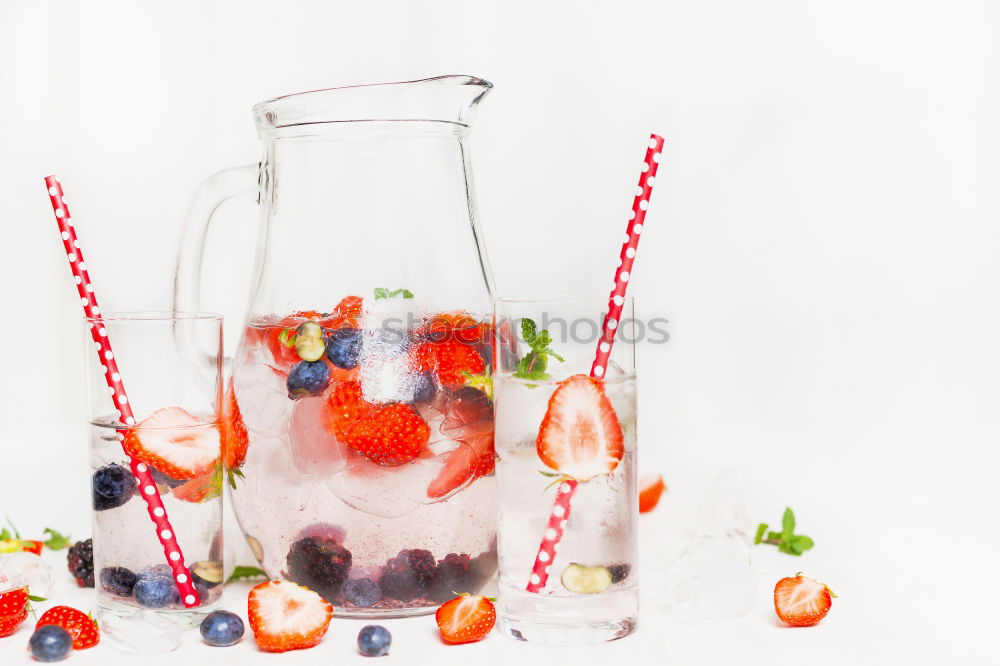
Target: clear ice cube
[[712, 580], [21, 569], [313, 446], [262, 395], [142, 632]]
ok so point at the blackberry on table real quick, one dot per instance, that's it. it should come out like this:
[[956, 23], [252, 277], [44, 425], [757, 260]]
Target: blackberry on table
[[80, 562], [408, 575], [319, 563]]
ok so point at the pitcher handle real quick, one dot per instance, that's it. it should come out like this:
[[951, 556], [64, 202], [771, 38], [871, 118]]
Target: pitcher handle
[[209, 195]]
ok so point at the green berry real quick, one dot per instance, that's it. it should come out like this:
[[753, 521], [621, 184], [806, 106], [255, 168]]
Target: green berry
[[309, 342], [581, 579]]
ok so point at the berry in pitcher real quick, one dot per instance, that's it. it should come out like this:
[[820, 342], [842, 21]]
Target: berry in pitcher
[[408, 575], [343, 347], [310, 344], [308, 378], [395, 435], [319, 563], [361, 592], [450, 360]]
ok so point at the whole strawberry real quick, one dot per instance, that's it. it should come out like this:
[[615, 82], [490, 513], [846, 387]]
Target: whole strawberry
[[81, 627], [13, 610]]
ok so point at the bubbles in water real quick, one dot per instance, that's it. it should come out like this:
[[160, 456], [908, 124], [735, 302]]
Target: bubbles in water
[[385, 367]]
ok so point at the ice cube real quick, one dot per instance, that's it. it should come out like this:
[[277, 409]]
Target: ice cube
[[20, 569], [263, 398], [142, 632], [712, 580], [388, 492], [724, 506], [313, 447], [386, 370], [282, 483]]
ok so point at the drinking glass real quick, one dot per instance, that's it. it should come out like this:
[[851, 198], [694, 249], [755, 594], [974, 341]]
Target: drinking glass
[[561, 434], [173, 390]]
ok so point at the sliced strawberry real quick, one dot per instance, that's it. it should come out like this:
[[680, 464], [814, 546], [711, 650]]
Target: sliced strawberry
[[459, 325], [286, 616], [475, 458], [650, 490], [580, 435], [235, 440], [451, 360], [174, 442], [13, 610], [200, 488], [347, 314], [81, 627], [21, 546], [801, 601], [465, 619]]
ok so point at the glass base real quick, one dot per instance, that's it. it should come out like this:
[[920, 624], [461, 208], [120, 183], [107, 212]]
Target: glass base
[[562, 634], [382, 613]]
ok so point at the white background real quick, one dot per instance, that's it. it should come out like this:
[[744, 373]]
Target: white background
[[823, 238]]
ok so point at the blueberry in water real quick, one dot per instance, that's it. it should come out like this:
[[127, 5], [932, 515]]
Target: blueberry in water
[[374, 640], [343, 347], [308, 378], [113, 485], [222, 628], [155, 591], [118, 580], [361, 592], [50, 643]]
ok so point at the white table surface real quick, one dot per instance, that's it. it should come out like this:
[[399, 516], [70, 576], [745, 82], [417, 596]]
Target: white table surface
[[904, 597]]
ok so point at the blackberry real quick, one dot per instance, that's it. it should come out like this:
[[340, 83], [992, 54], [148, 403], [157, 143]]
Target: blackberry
[[80, 562], [118, 580], [619, 572], [408, 575], [319, 563], [451, 577]]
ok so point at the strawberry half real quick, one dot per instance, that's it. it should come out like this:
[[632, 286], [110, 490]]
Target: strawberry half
[[475, 458], [347, 314], [13, 610], [235, 440], [81, 627], [200, 488], [286, 616], [465, 619], [580, 435], [174, 442], [800, 601], [650, 490]]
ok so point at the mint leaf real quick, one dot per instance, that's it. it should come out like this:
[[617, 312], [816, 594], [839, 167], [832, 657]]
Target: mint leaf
[[245, 573], [533, 365], [383, 293], [56, 541], [787, 524], [380, 293], [542, 341], [36, 599], [17, 535], [287, 337], [760, 533], [405, 293], [801, 543], [528, 331], [5, 534], [548, 350]]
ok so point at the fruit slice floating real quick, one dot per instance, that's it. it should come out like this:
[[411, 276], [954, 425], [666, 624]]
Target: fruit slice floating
[[200, 488], [174, 442], [580, 436], [465, 619], [347, 314], [801, 601], [451, 360], [82, 629], [581, 579], [473, 459], [286, 616], [207, 573], [235, 440], [650, 490]]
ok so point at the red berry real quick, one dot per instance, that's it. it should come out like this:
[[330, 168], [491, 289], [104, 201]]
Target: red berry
[[650, 490], [801, 601], [394, 435], [174, 442], [235, 440], [285, 616], [13, 610], [81, 627], [450, 360], [466, 619]]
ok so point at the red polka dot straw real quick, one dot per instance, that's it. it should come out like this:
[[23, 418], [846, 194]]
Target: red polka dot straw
[[147, 486], [564, 493]]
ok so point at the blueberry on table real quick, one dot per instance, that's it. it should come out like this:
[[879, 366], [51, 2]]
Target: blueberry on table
[[155, 591], [222, 628], [308, 377], [118, 580], [343, 347], [113, 485], [374, 640], [50, 643], [361, 592]]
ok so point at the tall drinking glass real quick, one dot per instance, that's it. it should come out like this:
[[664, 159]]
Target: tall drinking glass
[[566, 461], [173, 390]]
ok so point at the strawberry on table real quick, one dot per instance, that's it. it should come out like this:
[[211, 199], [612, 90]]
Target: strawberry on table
[[801, 601], [465, 619], [286, 616], [13, 610], [580, 436], [650, 490], [81, 627], [174, 442]]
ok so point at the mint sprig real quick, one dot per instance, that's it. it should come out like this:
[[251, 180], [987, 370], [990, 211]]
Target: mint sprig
[[245, 573], [786, 540], [535, 362], [383, 293], [56, 541]]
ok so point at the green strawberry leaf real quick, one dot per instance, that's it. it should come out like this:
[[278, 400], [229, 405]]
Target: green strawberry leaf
[[246, 573], [56, 541], [37, 600]]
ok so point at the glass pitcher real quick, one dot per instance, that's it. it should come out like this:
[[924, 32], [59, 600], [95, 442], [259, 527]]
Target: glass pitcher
[[358, 420]]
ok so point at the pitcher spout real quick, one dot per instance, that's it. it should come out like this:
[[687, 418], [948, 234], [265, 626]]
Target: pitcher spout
[[448, 99]]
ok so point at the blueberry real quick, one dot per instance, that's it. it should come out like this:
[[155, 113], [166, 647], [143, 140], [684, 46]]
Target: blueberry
[[343, 347], [308, 377], [50, 643], [113, 486], [374, 640], [118, 580], [424, 387], [155, 591], [361, 592], [222, 628]]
